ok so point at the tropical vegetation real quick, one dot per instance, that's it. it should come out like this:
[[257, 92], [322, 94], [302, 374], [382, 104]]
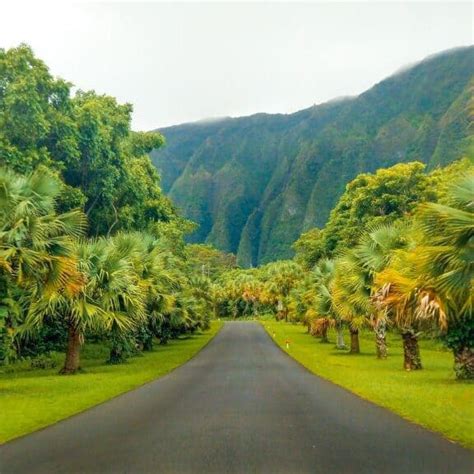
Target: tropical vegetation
[[254, 184], [401, 262], [90, 247], [94, 257]]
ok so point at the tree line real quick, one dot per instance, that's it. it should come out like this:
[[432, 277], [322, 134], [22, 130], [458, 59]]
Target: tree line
[[90, 247], [396, 254]]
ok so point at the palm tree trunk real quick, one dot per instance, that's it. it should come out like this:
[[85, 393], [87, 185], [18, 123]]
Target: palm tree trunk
[[355, 346], [464, 363], [411, 351], [380, 330], [255, 309], [324, 333], [71, 364], [279, 315], [340, 336]]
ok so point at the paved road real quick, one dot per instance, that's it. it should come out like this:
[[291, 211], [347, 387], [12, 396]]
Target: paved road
[[240, 406]]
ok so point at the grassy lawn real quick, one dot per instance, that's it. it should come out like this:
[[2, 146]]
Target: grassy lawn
[[32, 399], [431, 397]]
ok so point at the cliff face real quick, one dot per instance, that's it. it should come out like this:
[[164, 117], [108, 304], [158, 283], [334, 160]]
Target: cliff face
[[253, 184]]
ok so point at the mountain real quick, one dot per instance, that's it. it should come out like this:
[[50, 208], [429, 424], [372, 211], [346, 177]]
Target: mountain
[[253, 184]]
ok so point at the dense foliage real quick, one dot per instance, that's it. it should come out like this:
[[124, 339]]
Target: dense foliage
[[371, 200], [86, 139], [90, 248], [253, 184], [397, 253]]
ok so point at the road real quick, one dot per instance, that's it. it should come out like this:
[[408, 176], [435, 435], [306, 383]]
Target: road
[[240, 406]]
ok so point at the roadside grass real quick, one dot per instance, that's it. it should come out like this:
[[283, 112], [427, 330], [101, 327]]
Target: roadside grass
[[32, 399], [430, 397]]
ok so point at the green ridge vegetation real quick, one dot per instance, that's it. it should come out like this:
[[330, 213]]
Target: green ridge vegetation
[[253, 184], [95, 268]]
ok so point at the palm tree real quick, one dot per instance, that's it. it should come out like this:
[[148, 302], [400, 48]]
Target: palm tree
[[353, 284], [324, 309], [159, 278], [433, 281], [36, 245], [110, 298], [280, 277], [447, 260], [374, 253], [350, 295], [398, 292]]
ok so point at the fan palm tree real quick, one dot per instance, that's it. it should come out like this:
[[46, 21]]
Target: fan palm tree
[[374, 252], [350, 295], [280, 278], [353, 285], [110, 298], [434, 280], [447, 258], [36, 244], [398, 293], [159, 277], [324, 309]]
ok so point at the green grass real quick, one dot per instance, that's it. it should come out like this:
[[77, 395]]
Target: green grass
[[33, 399], [430, 397]]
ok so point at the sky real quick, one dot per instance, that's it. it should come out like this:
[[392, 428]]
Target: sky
[[181, 62]]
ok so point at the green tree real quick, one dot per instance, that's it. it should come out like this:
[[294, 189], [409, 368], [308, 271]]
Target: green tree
[[109, 298], [374, 199], [36, 244], [36, 115], [85, 139], [433, 281], [280, 278], [323, 276]]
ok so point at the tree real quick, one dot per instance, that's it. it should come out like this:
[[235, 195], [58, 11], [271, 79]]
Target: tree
[[280, 277], [353, 285], [398, 293], [110, 298], [369, 200], [86, 140], [446, 261], [350, 294], [309, 248], [120, 185], [373, 253], [433, 281], [36, 115], [323, 275], [36, 244]]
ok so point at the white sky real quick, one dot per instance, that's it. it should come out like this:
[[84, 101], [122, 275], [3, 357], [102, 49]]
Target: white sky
[[178, 62]]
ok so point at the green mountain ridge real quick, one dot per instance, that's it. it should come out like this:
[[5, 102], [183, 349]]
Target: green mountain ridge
[[253, 184]]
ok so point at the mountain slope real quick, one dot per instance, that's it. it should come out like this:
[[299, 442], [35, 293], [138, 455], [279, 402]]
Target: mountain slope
[[255, 183]]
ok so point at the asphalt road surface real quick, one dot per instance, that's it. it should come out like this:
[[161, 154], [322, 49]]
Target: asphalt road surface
[[240, 406]]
